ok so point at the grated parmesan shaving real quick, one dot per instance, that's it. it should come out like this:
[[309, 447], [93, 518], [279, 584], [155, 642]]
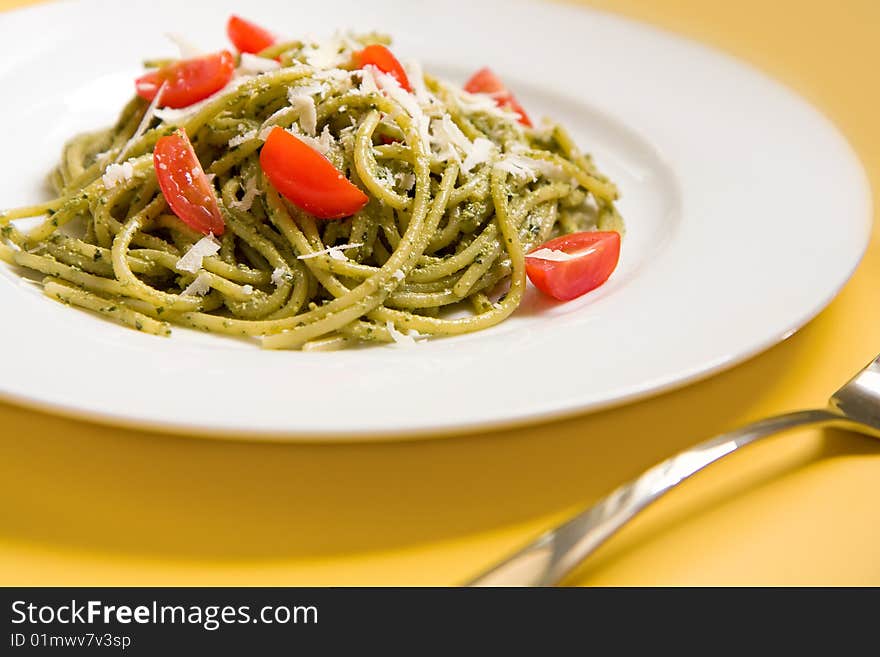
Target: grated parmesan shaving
[[251, 191], [417, 81], [553, 171], [444, 141], [517, 166], [191, 261], [368, 81], [322, 144], [408, 339], [199, 287], [187, 50], [399, 275], [449, 137], [307, 113], [484, 103], [272, 121], [334, 75], [405, 180], [145, 122], [238, 140], [254, 65], [407, 101], [335, 252], [311, 89], [553, 255], [456, 136], [247, 289], [525, 167], [386, 176], [117, 173], [391, 86], [480, 153], [266, 128], [172, 116], [279, 276], [326, 54]]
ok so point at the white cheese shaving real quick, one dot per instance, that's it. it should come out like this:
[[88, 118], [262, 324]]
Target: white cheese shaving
[[348, 41], [311, 89], [407, 102], [191, 261], [335, 252], [187, 49], [481, 152], [172, 116], [405, 180], [555, 255], [199, 287], [456, 136], [446, 135], [117, 173], [390, 85], [408, 339], [528, 168], [399, 275], [145, 122], [327, 54], [238, 140], [450, 139], [536, 165], [553, 171], [307, 113], [386, 176], [518, 166], [254, 65], [368, 81], [322, 144], [247, 289], [334, 75], [251, 191], [265, 130], [484, 103], [273, 120], [417, 82], [279, 276]]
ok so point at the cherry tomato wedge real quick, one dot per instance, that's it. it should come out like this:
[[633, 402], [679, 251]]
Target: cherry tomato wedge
[[185, 186], [485, 81], [308, 179], [572, 265], [246, 36], [379, 56], [189, 80]]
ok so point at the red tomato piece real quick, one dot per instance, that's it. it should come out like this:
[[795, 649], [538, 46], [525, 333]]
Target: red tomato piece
[[379, 56], [189, 80], [185, 186], [485, 81], [248, 37], [592, 257], [308, 179]]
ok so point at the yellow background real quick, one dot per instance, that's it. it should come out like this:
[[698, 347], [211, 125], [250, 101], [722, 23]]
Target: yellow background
[[86, 504]]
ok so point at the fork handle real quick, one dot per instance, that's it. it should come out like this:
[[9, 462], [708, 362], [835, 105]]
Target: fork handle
[[557, 552]]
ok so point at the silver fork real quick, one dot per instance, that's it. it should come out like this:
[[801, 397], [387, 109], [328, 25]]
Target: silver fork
[[547, 560]]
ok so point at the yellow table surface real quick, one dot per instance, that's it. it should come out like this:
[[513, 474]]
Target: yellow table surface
[[87, 504]]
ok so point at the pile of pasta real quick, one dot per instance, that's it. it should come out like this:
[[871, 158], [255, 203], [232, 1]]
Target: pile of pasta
[[458, 188]]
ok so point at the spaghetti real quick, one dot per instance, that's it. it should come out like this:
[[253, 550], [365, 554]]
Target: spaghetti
[[458, 191]]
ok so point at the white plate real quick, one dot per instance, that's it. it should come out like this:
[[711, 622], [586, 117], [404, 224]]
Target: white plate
[[730, 186]]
